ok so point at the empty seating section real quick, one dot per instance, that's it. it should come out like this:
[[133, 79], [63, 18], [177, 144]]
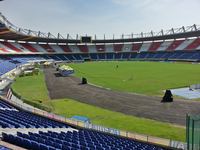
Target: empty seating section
[[160, 55], [56, 48], [166, 55], [3, 50], [164, 45], [100, 48], [54, 57], [9, 63], [39, 48], [117, 56], [20, 47], [184, 44], [85, 56], [109, 48], [196, 55], [10, 46], [83, 48], [94, 56], [21, 119], [154, 46], [126, 47], [184, 55], [65, 48], [141, 55], [47, 47], [92, 49], [6, 66], [71, 57], [136, 47], [110, 56], [118, 47], [126, 56], [101, 56], [78, 57], [29, 47], [13, 118], [174, 45], [71, 139], [5, 106], [76, 140], [145, 47], [174, 55], [62, 58], [194, 45], [151, 46], [74, 48]]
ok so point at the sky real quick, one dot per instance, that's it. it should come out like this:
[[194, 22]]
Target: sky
[[101, 16]]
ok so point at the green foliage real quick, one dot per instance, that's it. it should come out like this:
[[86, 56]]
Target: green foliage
[[36, 71], [37, 65], [37, 104], [26, 74], [16, 94], [32, 88]]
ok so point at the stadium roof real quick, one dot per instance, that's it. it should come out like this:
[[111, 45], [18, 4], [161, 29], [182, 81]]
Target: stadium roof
[[8, 31]]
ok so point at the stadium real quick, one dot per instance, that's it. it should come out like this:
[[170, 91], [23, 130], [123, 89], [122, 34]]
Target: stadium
[[88, 93]]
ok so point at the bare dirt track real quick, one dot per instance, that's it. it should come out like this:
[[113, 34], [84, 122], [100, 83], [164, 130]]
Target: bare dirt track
[[127, 103]]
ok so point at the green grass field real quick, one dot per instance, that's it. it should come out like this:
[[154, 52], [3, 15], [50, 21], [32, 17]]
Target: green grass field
[[32, 87], [69, 108], [140, 77]]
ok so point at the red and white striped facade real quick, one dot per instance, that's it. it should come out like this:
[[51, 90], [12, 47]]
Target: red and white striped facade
[[170, 45]]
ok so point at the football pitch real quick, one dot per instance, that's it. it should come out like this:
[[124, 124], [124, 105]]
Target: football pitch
[[149, 78]]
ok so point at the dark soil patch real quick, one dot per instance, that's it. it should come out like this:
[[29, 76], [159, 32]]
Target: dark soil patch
[[127, 103]]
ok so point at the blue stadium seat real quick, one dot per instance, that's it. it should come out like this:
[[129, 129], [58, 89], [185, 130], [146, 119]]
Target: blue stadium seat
[[83, 140]]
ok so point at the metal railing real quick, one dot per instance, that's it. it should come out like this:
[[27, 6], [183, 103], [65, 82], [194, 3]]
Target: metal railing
[[28, 32]]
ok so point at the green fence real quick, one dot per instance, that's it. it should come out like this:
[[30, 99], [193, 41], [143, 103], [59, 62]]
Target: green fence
[[193, 132]]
